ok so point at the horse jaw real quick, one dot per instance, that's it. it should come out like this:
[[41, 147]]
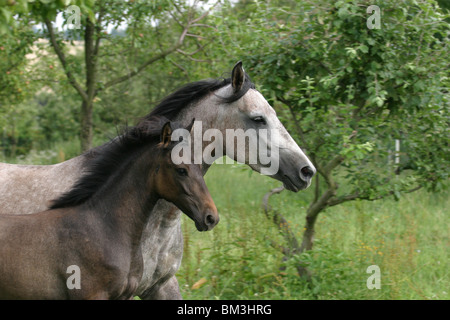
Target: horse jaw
[[289, 158]]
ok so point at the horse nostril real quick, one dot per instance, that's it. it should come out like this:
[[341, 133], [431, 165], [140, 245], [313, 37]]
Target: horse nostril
[[210, 220], [307, 172]]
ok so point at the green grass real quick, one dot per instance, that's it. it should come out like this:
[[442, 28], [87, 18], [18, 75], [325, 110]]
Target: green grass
[[408, 239]]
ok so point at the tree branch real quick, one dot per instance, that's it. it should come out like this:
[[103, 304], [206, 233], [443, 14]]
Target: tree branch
[[186, 73], [164, 53], [292, 247], [142, 67], [296, 123], [98, 29], [356, 195], [265, 201], [90, 58], [205, 14], [333, 164], [280, 221], [336, 201], [157, 57], [200, 48], [62, 59]]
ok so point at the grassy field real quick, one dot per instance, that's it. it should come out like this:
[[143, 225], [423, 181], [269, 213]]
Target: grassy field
[[407, 239]]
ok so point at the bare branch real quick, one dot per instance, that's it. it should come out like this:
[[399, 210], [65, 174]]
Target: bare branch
[[166, 52], [200, 48], [183, 35], [176, 7], [194, 36], [176, 19], [203, 25], [357, 195], [206, 13], [192, 59], [182, 69], [146, 63], [265, 201]]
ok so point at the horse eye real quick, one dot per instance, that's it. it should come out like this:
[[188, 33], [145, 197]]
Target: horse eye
[[259, 120], [182, 171]]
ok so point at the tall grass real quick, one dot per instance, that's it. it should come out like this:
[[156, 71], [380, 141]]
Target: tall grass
[[408, 239]]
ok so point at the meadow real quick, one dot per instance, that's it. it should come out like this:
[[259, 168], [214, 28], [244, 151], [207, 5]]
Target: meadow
[[407, 239]]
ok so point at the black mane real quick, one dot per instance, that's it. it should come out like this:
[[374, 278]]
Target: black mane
[[192, 92], [114, 154]]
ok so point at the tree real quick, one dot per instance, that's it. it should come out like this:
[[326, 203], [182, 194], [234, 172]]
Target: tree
[[14, 86], [346, 91], [153, 31]]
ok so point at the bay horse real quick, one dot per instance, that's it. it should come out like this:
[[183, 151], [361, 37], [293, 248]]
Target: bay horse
[[97, 226], [230, 103]]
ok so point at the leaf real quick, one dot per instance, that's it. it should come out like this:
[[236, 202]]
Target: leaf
[[363, 48], [6, 14], [379, 101], [397, 195]]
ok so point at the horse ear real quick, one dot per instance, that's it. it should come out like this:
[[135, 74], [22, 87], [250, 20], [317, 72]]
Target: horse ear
[[237, 77], [190, 126], [166, 134]]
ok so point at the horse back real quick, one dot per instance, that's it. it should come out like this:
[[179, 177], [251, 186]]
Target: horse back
[[26, 189]]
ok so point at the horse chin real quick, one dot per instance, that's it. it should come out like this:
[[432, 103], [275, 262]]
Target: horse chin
[[201, 226], [292, 186]]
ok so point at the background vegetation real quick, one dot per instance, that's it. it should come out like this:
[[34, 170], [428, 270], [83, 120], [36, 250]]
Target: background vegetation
[[344, 91], [408, 239]]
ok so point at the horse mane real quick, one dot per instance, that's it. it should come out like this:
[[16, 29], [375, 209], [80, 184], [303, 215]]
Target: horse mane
[[103, 163], [171, 106], [114, 154]]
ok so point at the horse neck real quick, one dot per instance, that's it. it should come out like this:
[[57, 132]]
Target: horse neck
[[127, 198]]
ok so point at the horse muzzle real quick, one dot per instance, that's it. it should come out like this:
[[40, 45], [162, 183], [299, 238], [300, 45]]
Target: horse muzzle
[[207, 221], [297, 180]]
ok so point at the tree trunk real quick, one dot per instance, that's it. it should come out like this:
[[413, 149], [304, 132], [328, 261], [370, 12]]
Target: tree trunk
[[13, 139], [90, 56], [311, 216], [86, 132]]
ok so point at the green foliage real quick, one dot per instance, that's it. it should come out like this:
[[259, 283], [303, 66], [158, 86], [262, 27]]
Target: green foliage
[[14, 87], [37, 10], [128, 35], [337, 79]]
